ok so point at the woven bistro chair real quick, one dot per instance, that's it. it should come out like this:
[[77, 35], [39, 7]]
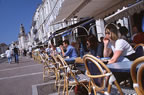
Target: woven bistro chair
[[57, 72], [139, 48], [138, 45], [98, 73], [71, 79], [35, 55], [53, 65], [48, 64], [38, 57], [137, 75]]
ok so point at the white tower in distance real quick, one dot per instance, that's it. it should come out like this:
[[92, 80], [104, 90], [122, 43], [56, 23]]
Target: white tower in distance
[[22, 38]]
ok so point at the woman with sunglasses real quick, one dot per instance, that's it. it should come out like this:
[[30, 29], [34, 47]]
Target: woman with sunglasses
[[121, 49], [95, 48]]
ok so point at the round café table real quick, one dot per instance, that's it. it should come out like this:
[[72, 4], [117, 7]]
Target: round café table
[[120, 66], [124, 66], [120, 69]]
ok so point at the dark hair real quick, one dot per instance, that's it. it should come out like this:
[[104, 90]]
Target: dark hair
[[119, 25], [66, 42], [8, 48], [123, 30], [93, 41], [101, 39], [114, 31]]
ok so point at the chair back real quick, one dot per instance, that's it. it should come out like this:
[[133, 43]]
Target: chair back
[[137, 76], [98, 73], [93, 67], [139, 48], [53, 59], [41, 58], [67, 68]]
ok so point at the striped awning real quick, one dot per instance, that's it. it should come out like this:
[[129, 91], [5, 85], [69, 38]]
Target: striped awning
[[126, 11], [90, 8]]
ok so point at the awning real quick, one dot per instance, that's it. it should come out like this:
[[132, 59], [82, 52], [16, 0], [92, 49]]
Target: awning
[[68, 32], [90, 8], [125, 12], [71, 26]]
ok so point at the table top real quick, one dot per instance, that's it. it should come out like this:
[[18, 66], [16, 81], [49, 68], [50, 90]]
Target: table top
[[120, 66]]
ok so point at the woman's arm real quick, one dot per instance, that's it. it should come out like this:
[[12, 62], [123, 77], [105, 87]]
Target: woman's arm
[[116, 55], [107, 51]]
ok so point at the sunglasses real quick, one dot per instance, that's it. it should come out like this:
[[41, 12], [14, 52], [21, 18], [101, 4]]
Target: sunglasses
[[107, 33]]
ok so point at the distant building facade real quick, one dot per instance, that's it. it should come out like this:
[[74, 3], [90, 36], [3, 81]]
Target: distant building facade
[[42, 22], [45, 22]]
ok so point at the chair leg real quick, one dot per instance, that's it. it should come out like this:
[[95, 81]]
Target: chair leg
[[89, 90], [56, 79], [59, 85], [117, 85], [67, 87], [94, 91], [43, 73], [71, 89], [64, 87], [109, 88]]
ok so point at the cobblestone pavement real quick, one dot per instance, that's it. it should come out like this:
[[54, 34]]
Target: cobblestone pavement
[[17, 79]]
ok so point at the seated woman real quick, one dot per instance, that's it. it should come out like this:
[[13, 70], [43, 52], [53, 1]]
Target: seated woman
[[95, 48], [122, 50]]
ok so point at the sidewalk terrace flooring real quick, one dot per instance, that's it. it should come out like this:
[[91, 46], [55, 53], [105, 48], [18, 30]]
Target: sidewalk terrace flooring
[[26, 78]]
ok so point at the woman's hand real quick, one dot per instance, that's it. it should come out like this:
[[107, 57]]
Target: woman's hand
[[105, 41]]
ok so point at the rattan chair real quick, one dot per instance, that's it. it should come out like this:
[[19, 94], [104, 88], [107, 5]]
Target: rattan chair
[[137, 75], [99, 73], [138, 45], [38, 57], [70, 78], [48, 64], [57, 72], [139, 48]]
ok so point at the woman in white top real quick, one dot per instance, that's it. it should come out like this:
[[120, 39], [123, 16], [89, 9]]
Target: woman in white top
[[122, 50], [8, 55]]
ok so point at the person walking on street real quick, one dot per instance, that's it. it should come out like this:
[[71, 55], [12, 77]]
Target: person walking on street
[[16, 54], [8, 55], [24, 52], [30, 51]]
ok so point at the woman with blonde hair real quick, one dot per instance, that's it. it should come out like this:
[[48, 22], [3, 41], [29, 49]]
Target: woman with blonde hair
[[121, 49]]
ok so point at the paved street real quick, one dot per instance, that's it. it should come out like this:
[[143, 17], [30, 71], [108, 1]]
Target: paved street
[[25, 78], [17, 79], [2, 60]]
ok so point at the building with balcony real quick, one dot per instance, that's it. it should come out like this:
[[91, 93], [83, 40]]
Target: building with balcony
[[53, 19]]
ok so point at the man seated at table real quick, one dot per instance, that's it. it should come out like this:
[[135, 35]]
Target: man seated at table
[[70, 51]]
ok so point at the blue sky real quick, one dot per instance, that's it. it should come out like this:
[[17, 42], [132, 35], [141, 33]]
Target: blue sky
[[12, 14]]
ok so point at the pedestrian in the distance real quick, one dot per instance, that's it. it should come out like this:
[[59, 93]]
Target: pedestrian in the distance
[[15, 50], [30, 51], [24, 52], [8, 55]]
